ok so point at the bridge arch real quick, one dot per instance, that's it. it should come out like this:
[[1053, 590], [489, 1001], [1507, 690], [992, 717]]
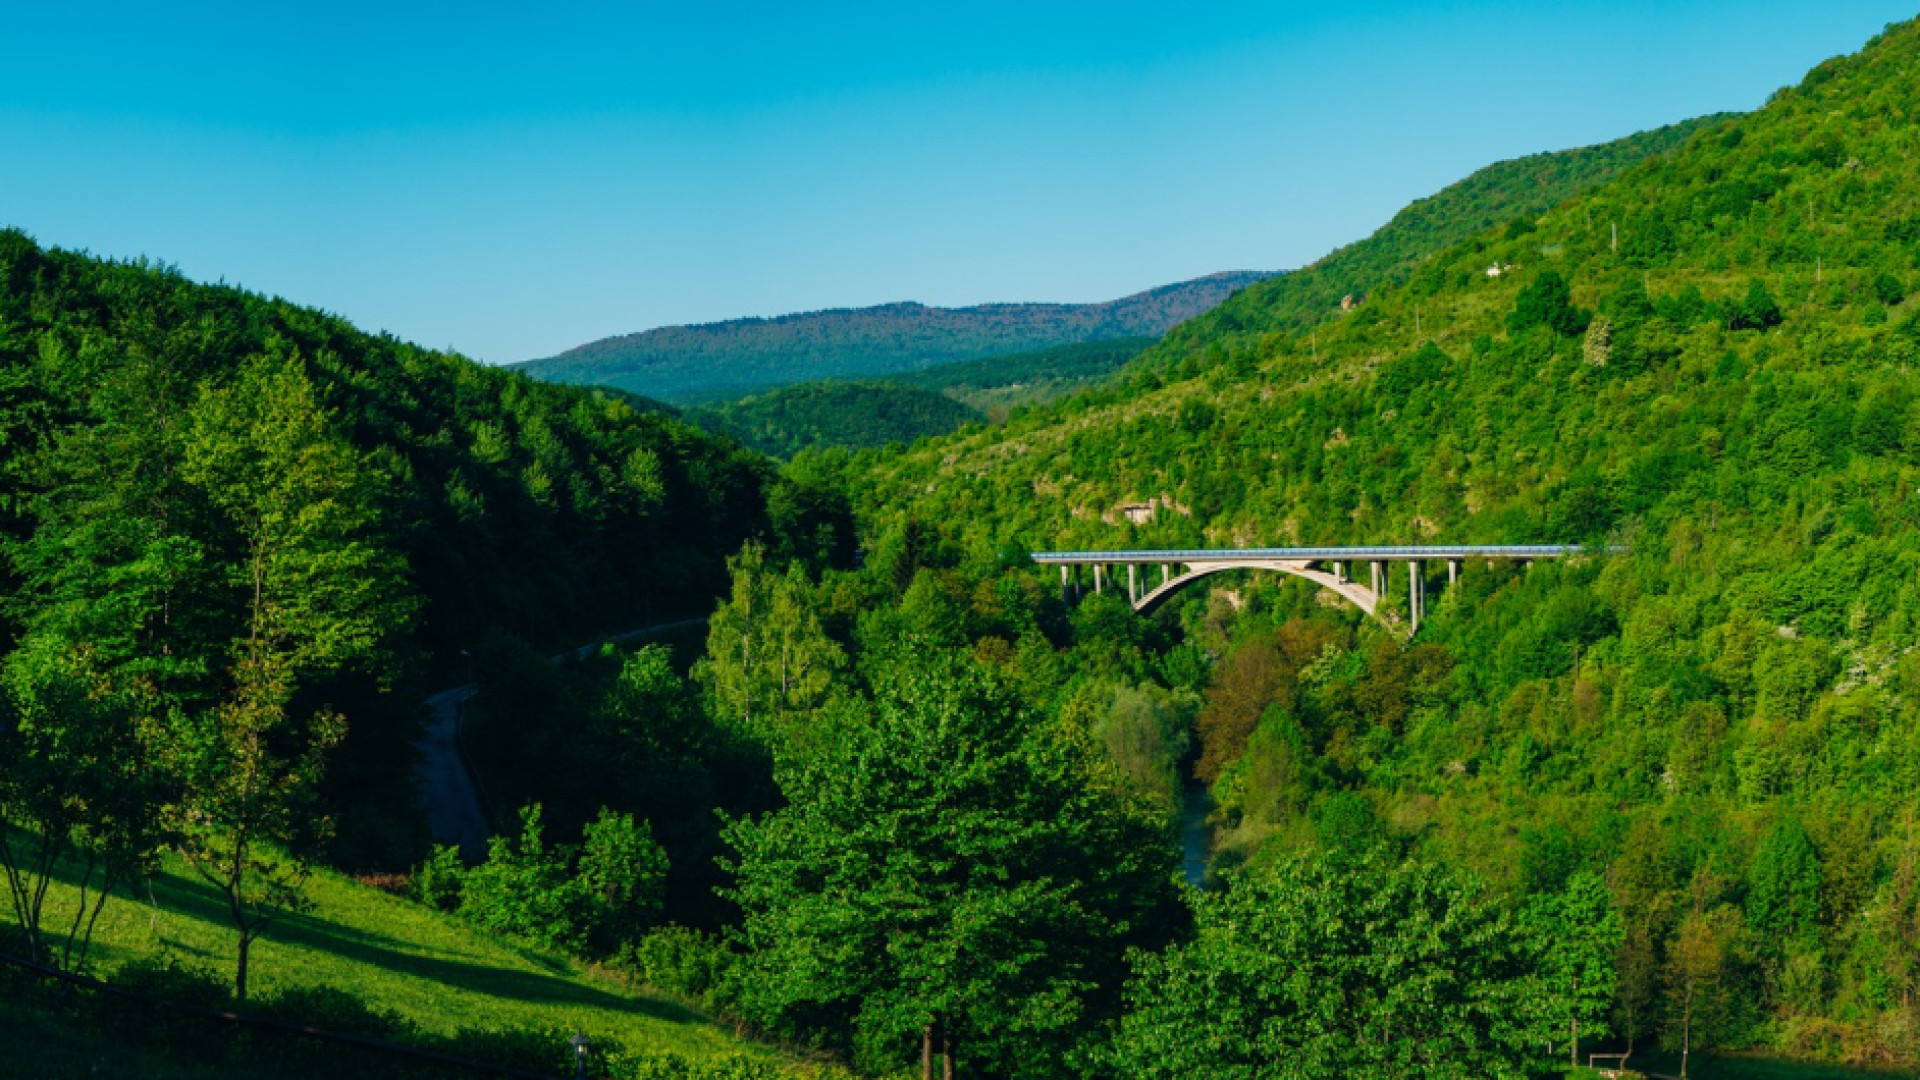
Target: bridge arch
[[1310, 564], [1353, 592]]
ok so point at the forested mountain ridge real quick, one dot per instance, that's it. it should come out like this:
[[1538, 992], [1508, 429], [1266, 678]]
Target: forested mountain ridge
[[724, 359], [442, 498], [1707, 359], [1494, 196]]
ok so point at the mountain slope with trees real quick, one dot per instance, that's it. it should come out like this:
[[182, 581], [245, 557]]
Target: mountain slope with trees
[[1504, 194], [1708, 360], [239, 536], [687, 364], [931, 401]]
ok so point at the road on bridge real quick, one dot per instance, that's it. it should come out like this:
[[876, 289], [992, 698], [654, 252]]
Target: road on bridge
[[444, 783]]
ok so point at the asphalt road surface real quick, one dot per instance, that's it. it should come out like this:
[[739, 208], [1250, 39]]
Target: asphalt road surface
[[444, 784]]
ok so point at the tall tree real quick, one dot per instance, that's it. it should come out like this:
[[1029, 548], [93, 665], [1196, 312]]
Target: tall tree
[[313, 594], [1699, 964], [77, 782], [769, 664], [1339, 965], [952, 871], [1580, 935]]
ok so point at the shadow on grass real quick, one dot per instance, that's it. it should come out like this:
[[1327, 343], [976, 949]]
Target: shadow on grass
[[191, 898]]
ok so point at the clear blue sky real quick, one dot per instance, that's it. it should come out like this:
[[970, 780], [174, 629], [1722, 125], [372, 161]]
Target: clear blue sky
[[512, 180]]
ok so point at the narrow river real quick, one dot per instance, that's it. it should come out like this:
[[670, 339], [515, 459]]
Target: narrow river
[[1195, 847]]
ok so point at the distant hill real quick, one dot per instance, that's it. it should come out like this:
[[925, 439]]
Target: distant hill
[[931, 401], [999, 383], [711, 361], [833, 413]]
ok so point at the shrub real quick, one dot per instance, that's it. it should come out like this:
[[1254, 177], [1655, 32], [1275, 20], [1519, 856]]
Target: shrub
[[439, 881], [623, 876], [171, 979], [334, 1010], [524, 889], [679, 961]]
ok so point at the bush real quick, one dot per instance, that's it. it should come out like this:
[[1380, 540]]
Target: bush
[[170, 979], [333, 1010], [657, 1066], [623, 874], [680, 961], [524, 889], [1547, 301], [535, 1049], [439, 881]]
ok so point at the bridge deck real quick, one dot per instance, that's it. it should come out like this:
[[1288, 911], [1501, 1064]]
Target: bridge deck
[[1311, 554]]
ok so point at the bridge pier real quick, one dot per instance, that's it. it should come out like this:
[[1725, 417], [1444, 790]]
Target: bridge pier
[[1416, 585], [1453, 572], [1133, 583]]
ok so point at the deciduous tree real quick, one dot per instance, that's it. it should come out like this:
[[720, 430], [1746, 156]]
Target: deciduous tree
[[950, 871]]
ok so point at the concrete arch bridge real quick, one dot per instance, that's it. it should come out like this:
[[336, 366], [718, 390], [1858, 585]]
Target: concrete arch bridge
[[1332, 568]]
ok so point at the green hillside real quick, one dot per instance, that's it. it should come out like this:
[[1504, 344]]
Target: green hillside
[[417, 978], [1709, 359], [460, 498], [913, 809], [688, 364], [931, 401], [238, 541], [998, 384], [785, 421], [1499, 195]]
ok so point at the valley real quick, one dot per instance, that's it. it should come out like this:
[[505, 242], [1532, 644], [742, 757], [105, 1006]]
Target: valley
[[1493, 644]]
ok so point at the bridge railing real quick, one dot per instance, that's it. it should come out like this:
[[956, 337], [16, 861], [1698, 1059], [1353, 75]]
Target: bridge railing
[[1395, 553]]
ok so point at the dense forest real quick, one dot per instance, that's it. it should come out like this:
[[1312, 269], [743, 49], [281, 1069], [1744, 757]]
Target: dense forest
[[207, 489], [899, 803], [1707, 361], [932, 401], [713, 361], [847, 413], [1490, 198]]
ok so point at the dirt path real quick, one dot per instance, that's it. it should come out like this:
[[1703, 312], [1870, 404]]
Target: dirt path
[[444, 784]]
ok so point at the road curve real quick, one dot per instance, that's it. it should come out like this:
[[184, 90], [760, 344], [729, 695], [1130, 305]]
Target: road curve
[[444, 785]]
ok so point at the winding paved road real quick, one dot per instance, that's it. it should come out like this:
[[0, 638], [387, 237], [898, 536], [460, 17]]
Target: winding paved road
[[444, 784]]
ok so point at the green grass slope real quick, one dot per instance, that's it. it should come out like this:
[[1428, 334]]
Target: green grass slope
[[1711, 359], [448, 982], [688, 364]]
